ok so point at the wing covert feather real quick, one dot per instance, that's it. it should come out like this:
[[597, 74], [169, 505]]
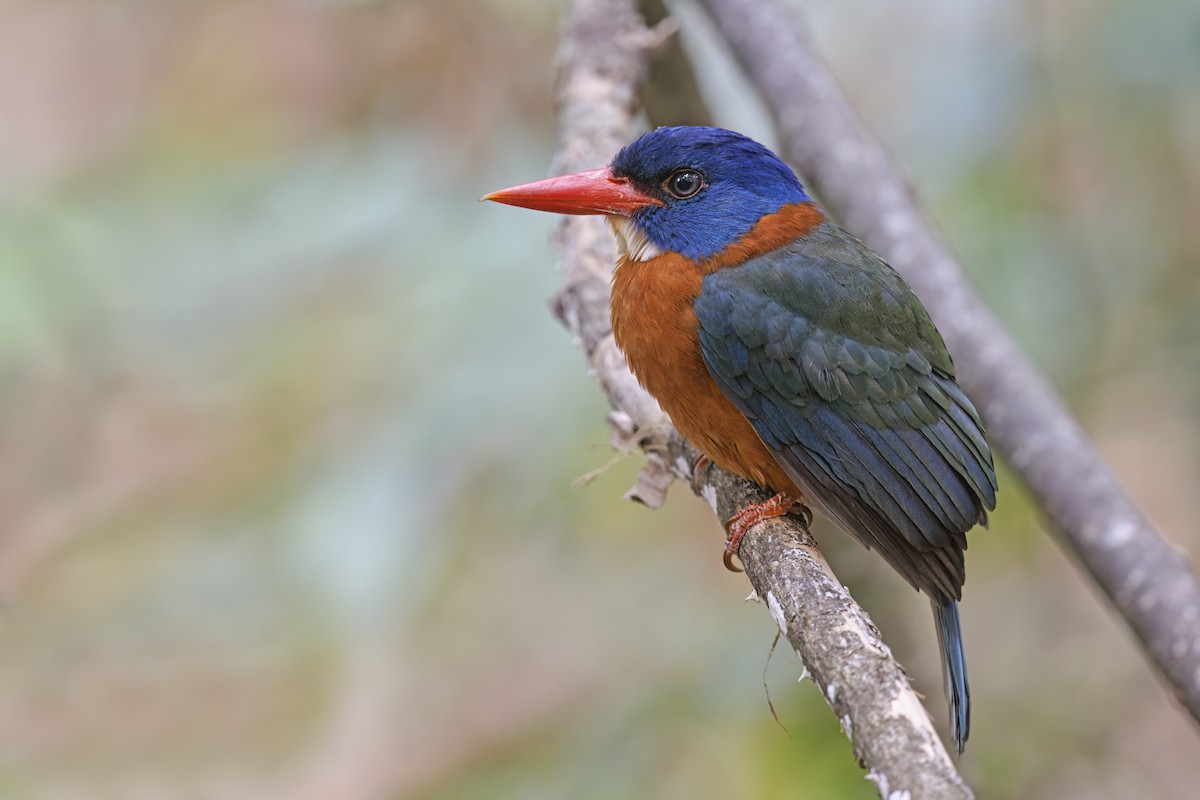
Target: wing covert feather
[[841, 372]]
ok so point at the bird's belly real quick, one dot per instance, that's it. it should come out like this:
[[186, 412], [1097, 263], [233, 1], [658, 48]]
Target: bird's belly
[[656, 328], [723, 433]]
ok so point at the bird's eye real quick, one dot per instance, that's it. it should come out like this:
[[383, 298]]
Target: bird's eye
[[684, 183]]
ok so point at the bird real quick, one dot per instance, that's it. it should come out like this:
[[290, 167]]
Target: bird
[[786, 351]]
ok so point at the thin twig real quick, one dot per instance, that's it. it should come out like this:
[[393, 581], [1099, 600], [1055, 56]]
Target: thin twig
[[602, 57], [1149, 582]]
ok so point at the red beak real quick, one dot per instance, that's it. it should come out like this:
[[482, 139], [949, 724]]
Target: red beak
[[597, 191]]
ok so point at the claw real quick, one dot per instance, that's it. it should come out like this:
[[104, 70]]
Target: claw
[[806, 515], [727, 557], [741, 522], [699, 470]]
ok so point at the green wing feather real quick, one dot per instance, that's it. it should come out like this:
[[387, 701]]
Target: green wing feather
[[839, 368]]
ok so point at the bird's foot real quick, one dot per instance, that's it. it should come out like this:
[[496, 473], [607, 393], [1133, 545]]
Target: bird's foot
[[737, 525], [700, 471]]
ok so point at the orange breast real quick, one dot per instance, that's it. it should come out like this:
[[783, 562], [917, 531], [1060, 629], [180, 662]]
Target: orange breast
[[656, 327]]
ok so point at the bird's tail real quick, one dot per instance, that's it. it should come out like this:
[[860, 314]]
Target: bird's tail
[[954, 669]]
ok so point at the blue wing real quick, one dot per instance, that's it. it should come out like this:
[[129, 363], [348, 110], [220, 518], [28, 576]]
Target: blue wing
[[841, 372]]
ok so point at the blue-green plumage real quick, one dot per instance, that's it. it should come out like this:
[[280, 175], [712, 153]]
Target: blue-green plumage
[[843, 375], [954, 668]]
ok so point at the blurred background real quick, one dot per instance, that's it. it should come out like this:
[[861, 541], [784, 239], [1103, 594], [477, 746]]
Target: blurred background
[[288, 435]]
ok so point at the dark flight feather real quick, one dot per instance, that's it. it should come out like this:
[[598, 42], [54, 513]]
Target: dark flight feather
[[841, 372]]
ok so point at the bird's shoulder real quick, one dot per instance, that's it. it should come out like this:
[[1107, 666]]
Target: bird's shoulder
[[825, 296]]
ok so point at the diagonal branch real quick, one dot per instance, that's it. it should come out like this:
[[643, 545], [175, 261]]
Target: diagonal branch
[[602, 56], [1150, 583]]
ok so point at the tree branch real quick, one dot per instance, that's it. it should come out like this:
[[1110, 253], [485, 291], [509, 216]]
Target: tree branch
[[1148, 581], [670, 92], [602, 56]]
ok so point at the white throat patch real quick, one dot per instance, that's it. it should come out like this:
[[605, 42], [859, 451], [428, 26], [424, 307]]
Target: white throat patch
[[631, 242]]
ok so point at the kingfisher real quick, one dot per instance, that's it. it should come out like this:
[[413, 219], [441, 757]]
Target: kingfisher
[[789, 353]]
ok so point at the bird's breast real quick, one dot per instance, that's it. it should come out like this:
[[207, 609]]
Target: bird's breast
[[656, 328]]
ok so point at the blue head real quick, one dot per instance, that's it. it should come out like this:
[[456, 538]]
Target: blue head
[[712, 186]]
